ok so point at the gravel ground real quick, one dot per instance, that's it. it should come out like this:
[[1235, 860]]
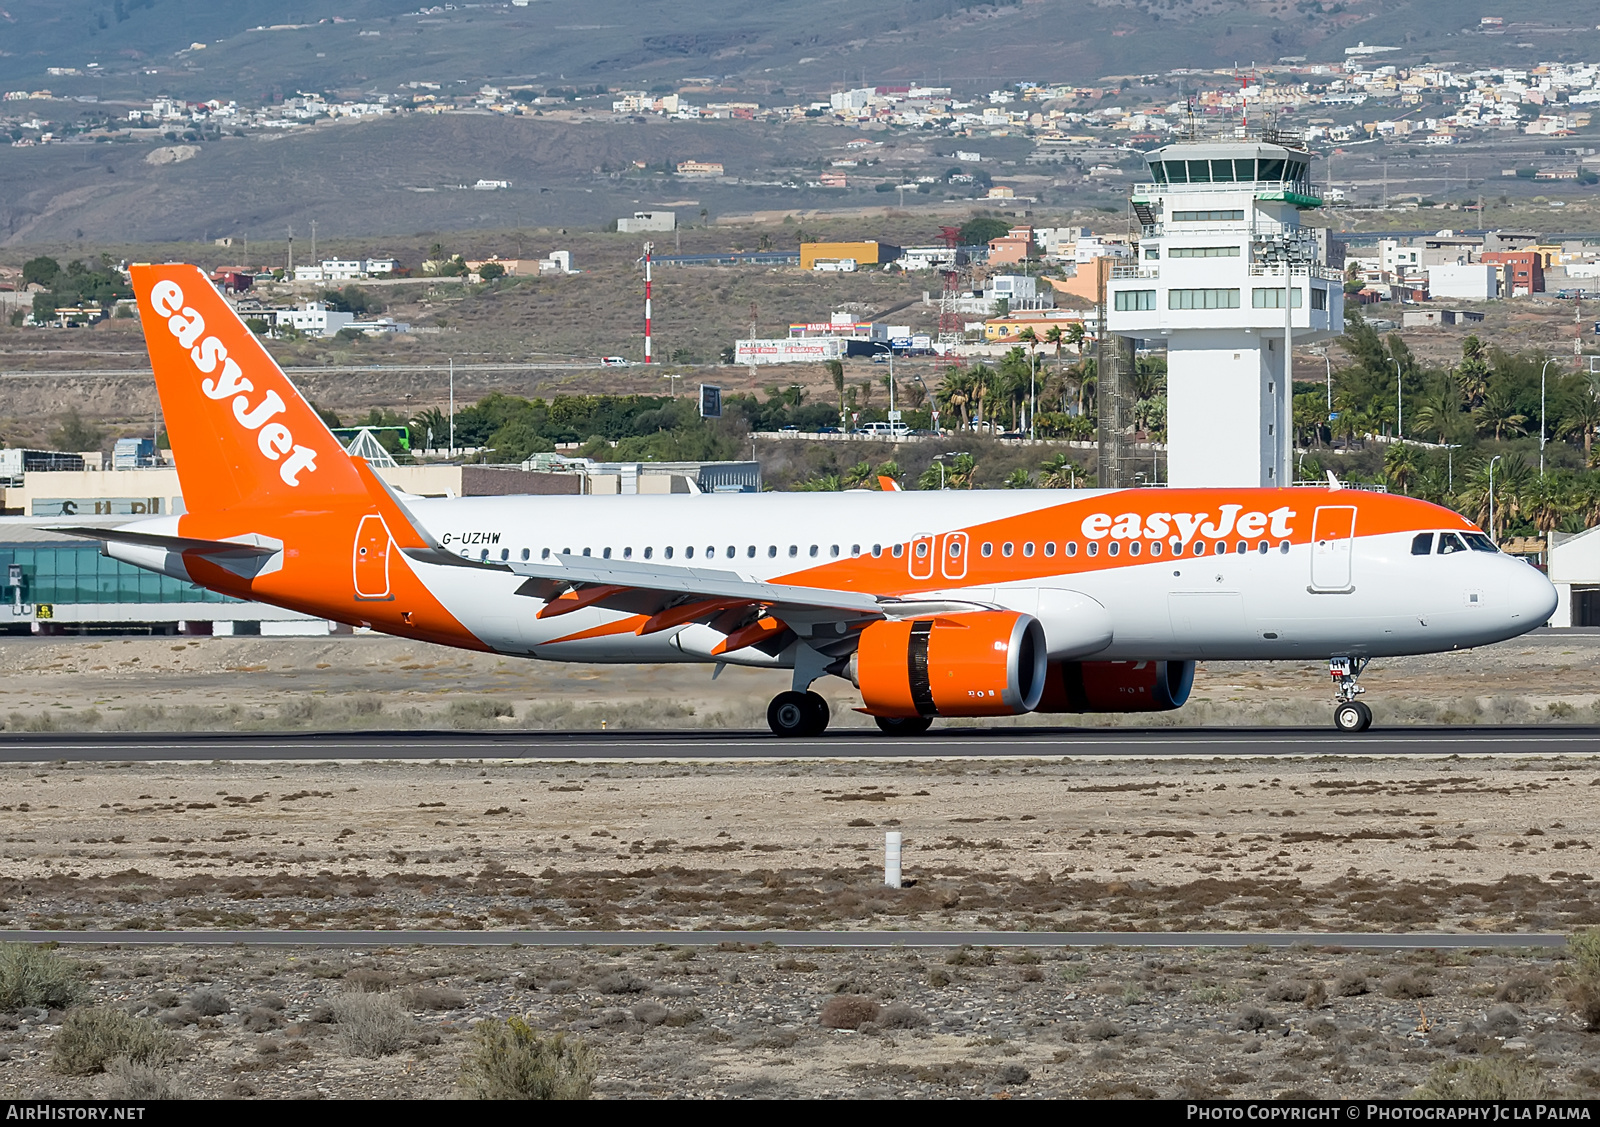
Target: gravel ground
[[742, 1023]]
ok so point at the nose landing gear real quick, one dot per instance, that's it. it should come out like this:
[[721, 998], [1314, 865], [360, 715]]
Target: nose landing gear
[[1349, 714]]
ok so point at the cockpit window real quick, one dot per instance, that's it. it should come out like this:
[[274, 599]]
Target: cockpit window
[[1450, 542], [1478, 542], [1422, 544]]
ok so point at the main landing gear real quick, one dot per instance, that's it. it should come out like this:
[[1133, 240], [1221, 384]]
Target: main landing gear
[[1349, 714], [798, 714]]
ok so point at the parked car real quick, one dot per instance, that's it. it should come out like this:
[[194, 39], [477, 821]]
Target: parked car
[[790, 429], [613, 362], [827, 430], [885, 430]]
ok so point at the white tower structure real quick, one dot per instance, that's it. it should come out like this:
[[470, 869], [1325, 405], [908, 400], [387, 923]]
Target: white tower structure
[[1228, 279]]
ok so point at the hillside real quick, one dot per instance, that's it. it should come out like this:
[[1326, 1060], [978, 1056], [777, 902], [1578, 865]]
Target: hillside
[[146, 47]]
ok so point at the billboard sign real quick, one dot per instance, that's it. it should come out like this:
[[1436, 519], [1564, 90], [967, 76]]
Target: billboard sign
[[789, 351], [710, 401]]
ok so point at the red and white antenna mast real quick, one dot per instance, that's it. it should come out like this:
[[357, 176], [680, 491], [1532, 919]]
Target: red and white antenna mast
[[649, 248]]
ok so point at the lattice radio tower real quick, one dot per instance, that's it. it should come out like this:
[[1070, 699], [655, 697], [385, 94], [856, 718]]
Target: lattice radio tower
[[956, 281]]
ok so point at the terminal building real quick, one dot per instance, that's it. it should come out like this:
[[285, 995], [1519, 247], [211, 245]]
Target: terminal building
[[1227, 280]]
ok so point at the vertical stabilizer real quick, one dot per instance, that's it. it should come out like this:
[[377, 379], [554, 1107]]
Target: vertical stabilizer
[[240, 431]]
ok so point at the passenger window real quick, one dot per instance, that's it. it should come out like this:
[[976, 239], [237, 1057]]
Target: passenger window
[[898, 551], [833, 551], [1133, 547], [1155, 547], [750, 552], [732, 551], [505, 553], [587, 552], [606, 553], [627, 553], [1072, 548], [922, 549], [711, 551], [1027, 549], [877, 551], [1422, 544], [1114, 548], [1094, 548], [1049, 547], [1283, 546], [1241, 547], [855, 550], [669, 551], [688, 553], [1264, 547], [648, 552], [1221, 549], [524, 553], [794, 550], [813, 551], [1199, 547], [1449, 542], [1006, 549], [772, 551], [566, 551], [544, 553], [953, 549], [987, 550]]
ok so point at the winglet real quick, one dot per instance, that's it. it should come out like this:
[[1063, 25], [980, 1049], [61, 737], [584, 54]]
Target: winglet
[[1334, 484], [405, 529], [888, 484]]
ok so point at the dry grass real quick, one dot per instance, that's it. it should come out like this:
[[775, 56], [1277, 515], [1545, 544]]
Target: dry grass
[[91, 1038], [36, 976], [371, 1025], [1491, 1078], [510, 1060]]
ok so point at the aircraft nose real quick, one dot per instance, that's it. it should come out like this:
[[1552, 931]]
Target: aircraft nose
[[1532, 598]]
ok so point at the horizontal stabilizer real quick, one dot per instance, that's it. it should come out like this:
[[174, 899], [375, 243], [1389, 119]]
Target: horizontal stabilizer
[[243, 547]]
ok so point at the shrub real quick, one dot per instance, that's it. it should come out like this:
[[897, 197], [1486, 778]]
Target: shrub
[[510, 1060], [1408, 985], [126, 1080], [1350, 984], [1288, 991], [1529, 986], [898, 1015], [1252, 1018], [434, 998], [1488, 1078], [372, 1025], [93, 1036], [1585, 948], [209, 1003], [1585, 1000], [1316, 995], [36, 976], [620, 982], [848, 1011]]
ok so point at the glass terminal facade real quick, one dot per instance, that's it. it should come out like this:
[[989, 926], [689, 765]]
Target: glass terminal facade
[[59, 573]]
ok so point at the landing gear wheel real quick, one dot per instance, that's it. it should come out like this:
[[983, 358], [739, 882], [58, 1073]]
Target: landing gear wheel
[[817, 714], [1352, 716], [797, 714], [903, 725]]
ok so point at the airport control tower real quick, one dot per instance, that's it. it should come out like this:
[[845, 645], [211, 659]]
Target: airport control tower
[[1227, 278]]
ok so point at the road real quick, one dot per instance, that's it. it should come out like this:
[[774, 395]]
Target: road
[[848, 939], [122, 747]]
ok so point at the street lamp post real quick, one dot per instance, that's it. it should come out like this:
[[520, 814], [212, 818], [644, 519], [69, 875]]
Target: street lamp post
[[1399, 402], [938, 460], [1542, 370], [1328, 360], [1033, 394], [1492, 461]]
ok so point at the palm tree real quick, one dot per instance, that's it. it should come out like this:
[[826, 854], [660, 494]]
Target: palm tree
[[836, 370], [1059, 472], [1018, 479], [1581, 418], [1473, 372], [1498, 413], [956, 391], [984, 379], [1439, 412], [1402, 464], [1015, 372]]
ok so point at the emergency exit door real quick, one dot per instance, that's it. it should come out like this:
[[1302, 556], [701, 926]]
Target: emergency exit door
[[371, 558]]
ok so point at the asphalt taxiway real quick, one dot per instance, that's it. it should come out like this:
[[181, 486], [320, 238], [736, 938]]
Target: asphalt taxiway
[[691, 744]]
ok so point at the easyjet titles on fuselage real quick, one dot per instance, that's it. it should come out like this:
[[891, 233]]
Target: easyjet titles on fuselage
[[1184, 526]]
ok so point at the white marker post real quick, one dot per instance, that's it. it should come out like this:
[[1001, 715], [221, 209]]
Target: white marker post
[[891, 858]]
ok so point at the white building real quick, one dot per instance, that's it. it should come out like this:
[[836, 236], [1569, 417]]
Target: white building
[[1575, 571], [1221, 250], [1475, 281], [648, 221], [1019, 291], [315, 319], [343, 269]]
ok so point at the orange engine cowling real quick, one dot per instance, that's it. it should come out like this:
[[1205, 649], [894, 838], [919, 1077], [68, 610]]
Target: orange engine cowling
[[986, 663], [1116, 686]]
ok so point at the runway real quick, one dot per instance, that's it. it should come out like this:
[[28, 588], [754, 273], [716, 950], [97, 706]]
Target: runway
[[951, 743], [841, 939]]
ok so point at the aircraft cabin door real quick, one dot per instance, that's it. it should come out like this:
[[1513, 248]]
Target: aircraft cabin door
[[921, 561], [953, 559], [1333, 533], [371, 558]]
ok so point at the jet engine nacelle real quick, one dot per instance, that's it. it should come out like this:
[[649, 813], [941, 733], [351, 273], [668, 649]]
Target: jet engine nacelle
[[1116, 686], [983, 663]]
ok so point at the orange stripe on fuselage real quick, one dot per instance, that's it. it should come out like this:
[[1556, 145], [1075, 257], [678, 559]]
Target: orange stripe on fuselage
[[1212, 515]]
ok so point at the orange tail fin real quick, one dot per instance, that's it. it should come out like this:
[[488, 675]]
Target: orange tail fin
[[241, 433]]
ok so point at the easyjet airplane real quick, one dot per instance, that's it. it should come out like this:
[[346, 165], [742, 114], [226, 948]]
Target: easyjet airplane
[[932, 604]]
